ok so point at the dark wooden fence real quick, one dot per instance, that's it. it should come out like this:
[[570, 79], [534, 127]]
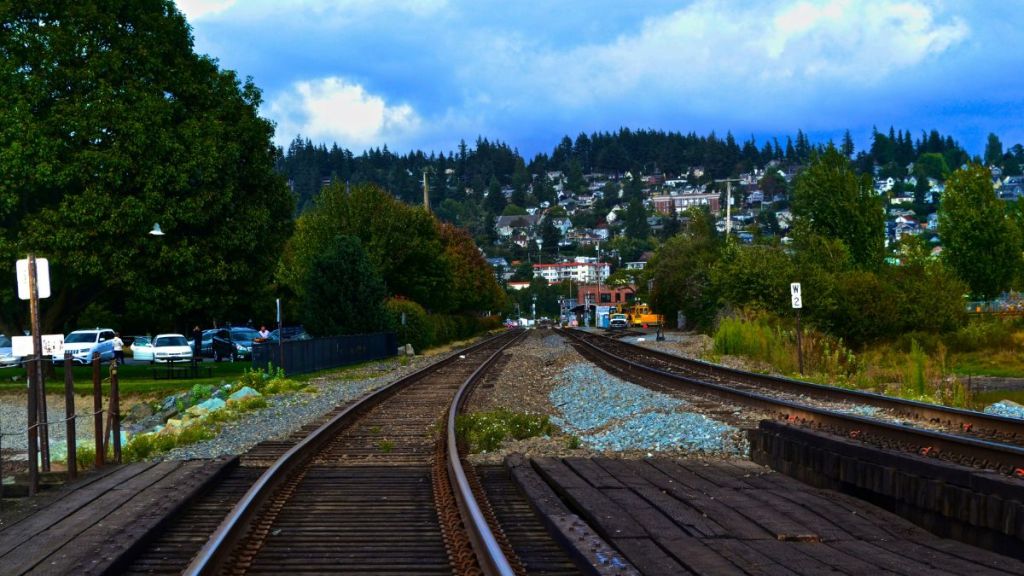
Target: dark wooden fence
[[302, 356]]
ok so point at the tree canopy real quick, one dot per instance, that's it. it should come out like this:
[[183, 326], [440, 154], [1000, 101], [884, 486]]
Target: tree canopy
[[980, 242], [344, 294], [435, 265], [831, 200], [109, 123]]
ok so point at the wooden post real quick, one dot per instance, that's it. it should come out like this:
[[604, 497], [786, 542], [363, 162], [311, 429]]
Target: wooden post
[[39, 387], [33, 432], [799, 344], [69, 413], [115, 411], [97, 407]]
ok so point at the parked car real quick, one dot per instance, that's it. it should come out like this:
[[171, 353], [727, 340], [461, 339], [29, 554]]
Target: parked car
[[142, 349], [7, 357], [618, 322], [290, 333], [171, 348], [83, 343], [206, 343], [232, 343]]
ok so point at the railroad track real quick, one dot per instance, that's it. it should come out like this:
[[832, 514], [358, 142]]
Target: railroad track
[[961, 436], [374, 487]]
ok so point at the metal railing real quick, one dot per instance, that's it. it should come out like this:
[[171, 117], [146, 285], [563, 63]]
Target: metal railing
[[303, 356]]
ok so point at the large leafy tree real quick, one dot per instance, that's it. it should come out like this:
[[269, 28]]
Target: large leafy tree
[[682, 274], [344, 294], [979, 241], [473, 287], [402, 242], [831, 200], [109, 122]]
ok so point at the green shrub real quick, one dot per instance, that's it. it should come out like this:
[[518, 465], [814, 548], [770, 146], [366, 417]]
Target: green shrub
[[270, 381], [418, 330], [916, 383], [485, 431], [982, 333], [139, 447]]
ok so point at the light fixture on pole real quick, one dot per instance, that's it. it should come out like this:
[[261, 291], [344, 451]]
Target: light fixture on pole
[[156, 231]]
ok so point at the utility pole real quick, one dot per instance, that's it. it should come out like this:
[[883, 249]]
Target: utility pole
[[426, 191], [728, 203]]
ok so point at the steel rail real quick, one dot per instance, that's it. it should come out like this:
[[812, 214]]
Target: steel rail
[[957, 417], [488, 552], [218, 548], [994, 455]]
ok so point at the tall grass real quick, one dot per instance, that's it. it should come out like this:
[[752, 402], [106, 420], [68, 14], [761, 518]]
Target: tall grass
[[756, 339], [887, 369]]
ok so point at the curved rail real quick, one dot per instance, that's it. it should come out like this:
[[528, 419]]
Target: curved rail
[[1003, 457], [217, 549], [957, 417], [488, 552]]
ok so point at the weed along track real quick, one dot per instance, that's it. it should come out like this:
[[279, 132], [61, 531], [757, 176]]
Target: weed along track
[[376, 487]]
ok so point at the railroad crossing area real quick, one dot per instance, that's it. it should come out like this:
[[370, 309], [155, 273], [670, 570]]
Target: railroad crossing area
[[654, 516]]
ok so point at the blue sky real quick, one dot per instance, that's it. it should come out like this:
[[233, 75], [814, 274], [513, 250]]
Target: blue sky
[[422, 75]]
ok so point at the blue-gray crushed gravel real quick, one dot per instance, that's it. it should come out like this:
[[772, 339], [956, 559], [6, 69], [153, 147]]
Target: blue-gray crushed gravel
[[1006, 408], [611, 415]]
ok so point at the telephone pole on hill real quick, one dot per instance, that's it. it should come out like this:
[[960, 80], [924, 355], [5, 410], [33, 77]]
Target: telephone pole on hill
[[728, 203]]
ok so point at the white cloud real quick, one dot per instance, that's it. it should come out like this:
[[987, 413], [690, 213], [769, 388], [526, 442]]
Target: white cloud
[[713, 47], [196, 9], [333, 109], [317, 10]]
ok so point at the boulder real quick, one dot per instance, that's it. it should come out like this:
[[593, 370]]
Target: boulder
[[243, 393], [205, 407], [140, 411]]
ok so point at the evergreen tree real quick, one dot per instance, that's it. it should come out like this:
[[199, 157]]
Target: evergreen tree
[[636, 220], [550, 235], [495, 200], [847, 145], [993, 151]]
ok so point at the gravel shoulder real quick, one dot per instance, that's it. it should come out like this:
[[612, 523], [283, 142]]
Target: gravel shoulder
[[544, 369]]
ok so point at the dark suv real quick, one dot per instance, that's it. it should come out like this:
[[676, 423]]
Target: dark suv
[[232, 343]]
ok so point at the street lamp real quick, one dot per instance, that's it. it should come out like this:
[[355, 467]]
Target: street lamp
[[534, 309], [156, 231], [540, 253]]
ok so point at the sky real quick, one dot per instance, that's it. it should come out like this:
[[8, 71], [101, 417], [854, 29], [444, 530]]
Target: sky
[[426, 74]]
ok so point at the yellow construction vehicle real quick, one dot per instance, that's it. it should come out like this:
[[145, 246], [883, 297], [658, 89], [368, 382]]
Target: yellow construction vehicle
[[641, 315]]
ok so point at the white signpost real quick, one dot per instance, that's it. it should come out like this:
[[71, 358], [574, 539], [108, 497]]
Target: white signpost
[[798, 303], [42, 279], [53, 345]]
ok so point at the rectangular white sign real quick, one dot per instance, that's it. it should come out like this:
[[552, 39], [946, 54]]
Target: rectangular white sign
[[794, 290], [42, 278], [53, 345]]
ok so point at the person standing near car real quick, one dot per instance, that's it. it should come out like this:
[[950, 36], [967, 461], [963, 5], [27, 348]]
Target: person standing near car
[[118, 348], [197, 337], [264, 333]]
